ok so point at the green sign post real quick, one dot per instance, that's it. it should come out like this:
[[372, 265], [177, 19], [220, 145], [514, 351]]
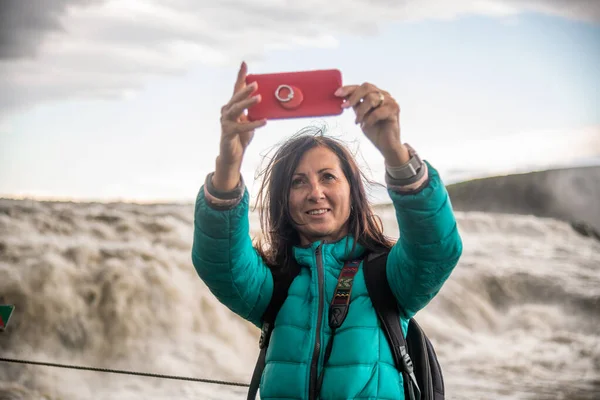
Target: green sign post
[[5, 313]]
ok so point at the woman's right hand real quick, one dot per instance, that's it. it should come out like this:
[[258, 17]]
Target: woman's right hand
[[236, 132]]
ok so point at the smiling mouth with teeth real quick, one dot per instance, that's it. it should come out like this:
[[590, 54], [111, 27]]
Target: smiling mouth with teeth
[[318, 212]]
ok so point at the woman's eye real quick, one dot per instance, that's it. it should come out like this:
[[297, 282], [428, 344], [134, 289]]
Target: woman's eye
[[296, 182], [328, 177]]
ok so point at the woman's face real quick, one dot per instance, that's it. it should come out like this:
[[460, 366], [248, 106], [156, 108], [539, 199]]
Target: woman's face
[[320, 197]]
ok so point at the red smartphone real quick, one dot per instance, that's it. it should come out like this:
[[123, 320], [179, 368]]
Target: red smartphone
[[296, 94]]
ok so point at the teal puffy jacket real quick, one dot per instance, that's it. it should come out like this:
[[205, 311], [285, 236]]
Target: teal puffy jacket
[[360, 365]]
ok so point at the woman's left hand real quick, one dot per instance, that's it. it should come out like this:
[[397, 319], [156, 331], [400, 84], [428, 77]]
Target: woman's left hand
[[379, 117]]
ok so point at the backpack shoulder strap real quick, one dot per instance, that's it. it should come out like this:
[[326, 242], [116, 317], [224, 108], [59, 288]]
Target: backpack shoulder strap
[[388, 312], [282, 279], [427, 367]]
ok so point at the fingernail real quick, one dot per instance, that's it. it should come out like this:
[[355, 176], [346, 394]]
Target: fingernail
[[338, 92]]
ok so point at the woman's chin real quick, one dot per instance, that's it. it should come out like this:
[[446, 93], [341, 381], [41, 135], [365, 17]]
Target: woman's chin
[[313, 235]]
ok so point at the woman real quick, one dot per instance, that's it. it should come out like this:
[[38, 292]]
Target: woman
[[315, 212]]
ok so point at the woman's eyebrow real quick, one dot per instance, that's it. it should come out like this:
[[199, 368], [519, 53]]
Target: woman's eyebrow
[[319, 171]]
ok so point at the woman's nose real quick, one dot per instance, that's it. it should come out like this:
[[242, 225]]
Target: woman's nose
[[316, 192]]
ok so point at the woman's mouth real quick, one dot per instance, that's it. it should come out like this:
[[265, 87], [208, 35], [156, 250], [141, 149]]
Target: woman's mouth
[[319, 211]]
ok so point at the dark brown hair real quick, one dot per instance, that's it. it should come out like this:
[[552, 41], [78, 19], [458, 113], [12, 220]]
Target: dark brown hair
[[279, 234]]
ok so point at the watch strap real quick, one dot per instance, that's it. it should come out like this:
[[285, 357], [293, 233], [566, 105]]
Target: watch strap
[[408, 173]]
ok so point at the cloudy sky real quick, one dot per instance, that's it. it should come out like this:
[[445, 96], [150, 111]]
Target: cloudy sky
[[120, 99]]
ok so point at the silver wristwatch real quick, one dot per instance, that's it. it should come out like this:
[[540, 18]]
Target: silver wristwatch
[[412, 170]]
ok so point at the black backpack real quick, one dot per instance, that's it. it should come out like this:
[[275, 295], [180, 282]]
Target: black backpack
[[413, 356]]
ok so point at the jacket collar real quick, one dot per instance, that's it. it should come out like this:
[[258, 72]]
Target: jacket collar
[[334, 253]]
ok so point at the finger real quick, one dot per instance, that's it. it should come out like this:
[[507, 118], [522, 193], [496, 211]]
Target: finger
[[377, 115], [359, 93], [242, 94], [231, 128], [250, 126], [345, 91], [241, 78], [370, 101], [236, 109]]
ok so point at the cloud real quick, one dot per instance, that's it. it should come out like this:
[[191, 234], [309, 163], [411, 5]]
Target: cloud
[[22, 25], [62, 49]]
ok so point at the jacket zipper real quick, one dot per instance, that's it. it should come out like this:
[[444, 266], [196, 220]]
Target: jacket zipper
[[312, 394]]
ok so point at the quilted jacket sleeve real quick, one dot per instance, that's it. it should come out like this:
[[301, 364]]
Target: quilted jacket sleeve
[[225, 259], [429, 246]]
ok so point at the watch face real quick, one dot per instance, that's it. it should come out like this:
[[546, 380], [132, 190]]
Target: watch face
[[408, 170]]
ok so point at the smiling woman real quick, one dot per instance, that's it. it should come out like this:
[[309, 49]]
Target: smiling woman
[[325, 198], [319, 230]]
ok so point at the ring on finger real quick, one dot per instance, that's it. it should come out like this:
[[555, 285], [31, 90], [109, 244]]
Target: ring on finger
[[381, 98]]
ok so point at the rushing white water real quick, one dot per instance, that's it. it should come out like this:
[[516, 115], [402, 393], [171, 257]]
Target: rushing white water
[[112, 286]]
